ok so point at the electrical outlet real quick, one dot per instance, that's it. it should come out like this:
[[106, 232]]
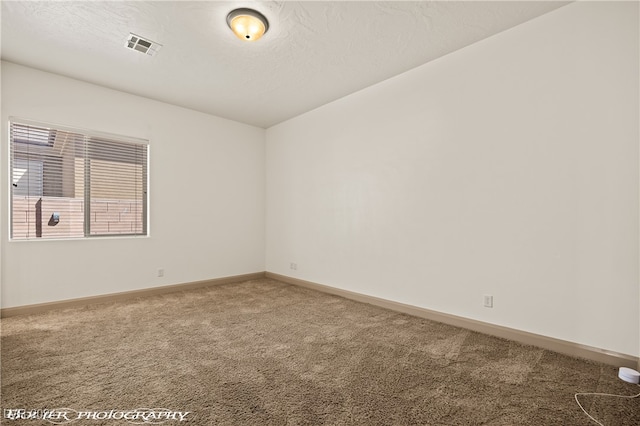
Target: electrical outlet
[[161, 272], [488, 301], [293, 266]]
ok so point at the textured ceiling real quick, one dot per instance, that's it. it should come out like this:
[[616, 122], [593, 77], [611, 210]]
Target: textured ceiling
[[314, 52]]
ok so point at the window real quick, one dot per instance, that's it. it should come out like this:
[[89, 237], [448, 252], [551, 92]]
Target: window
[[71, 184]]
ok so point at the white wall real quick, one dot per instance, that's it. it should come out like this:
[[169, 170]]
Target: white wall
[[212, 166], [508, 168]]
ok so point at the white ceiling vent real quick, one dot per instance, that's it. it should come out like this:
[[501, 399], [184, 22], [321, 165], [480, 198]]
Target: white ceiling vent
[[143, 45]]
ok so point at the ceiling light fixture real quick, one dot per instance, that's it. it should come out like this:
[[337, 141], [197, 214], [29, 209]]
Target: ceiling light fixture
[[247, 24]]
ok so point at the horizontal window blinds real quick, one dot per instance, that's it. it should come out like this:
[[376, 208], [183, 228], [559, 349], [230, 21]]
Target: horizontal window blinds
[[71, 184]]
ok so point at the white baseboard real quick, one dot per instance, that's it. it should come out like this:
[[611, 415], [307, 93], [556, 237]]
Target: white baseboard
[[557, 345], [550, 343], [112, 297]]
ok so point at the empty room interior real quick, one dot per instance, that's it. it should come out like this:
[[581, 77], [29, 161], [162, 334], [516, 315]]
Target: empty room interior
[[332, 212]]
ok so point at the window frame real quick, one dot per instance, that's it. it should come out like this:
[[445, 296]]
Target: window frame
[[88, 136]]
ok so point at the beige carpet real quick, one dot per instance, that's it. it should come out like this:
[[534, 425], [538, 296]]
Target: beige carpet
[[267, 353]]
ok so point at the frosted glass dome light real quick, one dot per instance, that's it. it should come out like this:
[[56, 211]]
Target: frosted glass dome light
[[247, 24]]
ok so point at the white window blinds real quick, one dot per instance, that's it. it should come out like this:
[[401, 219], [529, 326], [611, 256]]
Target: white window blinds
[[71, 184]]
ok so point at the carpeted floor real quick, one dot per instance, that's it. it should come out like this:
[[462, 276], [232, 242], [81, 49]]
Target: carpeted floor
[[267, 353]]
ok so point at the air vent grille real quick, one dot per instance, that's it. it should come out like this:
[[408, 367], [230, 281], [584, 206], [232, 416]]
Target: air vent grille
[[142, 45]]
